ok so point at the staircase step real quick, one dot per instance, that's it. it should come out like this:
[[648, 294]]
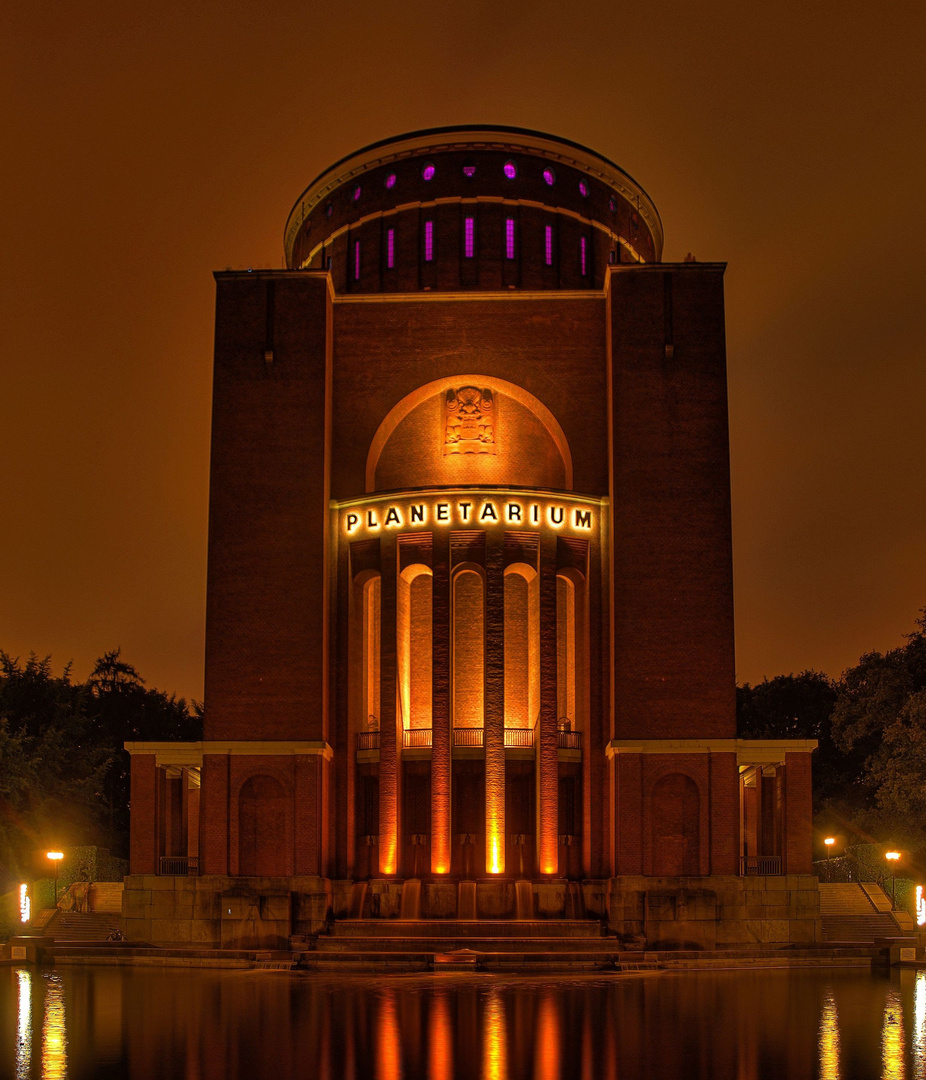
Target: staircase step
[[447, 928], [346, 946], [82, 926], [844, 899]]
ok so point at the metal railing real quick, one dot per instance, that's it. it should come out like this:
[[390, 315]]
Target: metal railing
[[519, 737], [569, 740], [467, 736], [760, 865], [368, 740], [416, 737], [179, 866]]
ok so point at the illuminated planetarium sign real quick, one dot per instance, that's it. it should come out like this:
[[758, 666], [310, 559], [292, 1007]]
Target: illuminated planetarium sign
[[469, 510]]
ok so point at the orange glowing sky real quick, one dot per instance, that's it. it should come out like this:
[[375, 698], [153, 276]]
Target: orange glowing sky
[[145, 146]]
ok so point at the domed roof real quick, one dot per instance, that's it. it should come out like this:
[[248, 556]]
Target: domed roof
[[468, 164]]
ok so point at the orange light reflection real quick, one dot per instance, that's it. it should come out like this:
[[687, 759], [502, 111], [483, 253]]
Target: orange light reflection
[[495, 1040], [440, 1049], [389, 1046]]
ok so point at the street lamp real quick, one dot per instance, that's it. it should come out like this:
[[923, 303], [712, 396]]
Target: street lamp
[[56, 857], [892, 857], [829, 841]]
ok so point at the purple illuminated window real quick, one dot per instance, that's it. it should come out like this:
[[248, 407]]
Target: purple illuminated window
[[429, 241], [509, 238], [583, 265], [355, 194], [356, 260], [427, 173], [510, 170], [329, 210], [549, 177], [390, 248], [469, 170], [469, 237], [583, 189], [548, 245], [390, 180]]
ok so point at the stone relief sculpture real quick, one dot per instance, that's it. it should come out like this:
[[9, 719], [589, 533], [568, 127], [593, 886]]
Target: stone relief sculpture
[[470, 421]]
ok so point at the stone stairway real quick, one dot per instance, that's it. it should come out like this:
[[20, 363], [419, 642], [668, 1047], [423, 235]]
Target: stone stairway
[[419, 944], [81, 926], [849, 913]]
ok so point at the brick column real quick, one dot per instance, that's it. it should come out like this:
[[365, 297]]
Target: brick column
[[390, 759], [628, 841], [441, 733], [724, 815], [214, 809], [798, 813], [307, 815], [546, 749], [143, 840], [494, 715]]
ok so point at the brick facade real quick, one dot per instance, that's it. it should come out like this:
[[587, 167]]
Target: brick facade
[[591, 457]]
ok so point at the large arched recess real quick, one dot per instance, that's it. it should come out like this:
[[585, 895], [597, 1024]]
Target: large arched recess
[[546, 430]]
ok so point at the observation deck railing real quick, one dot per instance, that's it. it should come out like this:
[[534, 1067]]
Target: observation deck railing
[[467, 736], [760, 865], [179, 866], [519, 737], [417, 738], [412, 737]]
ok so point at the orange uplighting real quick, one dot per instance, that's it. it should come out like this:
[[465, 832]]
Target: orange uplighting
[[496, 860]]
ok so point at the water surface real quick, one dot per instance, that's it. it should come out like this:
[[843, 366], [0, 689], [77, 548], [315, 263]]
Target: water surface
[[210, 1025]]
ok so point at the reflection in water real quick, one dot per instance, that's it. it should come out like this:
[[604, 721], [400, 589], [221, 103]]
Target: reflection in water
[[495, 1039], [54, 1034], [145, 1024], [440, 1055], [919, 1025], [829, 1039], [892, 1039], [389, 1047], [24, 1025], [546, 1060]]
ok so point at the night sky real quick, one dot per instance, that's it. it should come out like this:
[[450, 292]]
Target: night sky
[[146, 146]]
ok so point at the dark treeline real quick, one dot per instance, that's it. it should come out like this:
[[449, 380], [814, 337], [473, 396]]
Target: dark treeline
[[64, 776], [870, 768]]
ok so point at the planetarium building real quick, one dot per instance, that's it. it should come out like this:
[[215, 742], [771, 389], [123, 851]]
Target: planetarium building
[[469, 634]]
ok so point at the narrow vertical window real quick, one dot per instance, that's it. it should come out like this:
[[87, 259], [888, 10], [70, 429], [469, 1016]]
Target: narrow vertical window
[[583, 256], [390, 248], [548, 245], [429, 241], [509, 238], [356, 260], [469, 237]]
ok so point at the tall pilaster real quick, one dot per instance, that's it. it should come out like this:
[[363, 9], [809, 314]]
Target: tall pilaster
[[441, 729], [546, 743], [494, 715], [389, 734]]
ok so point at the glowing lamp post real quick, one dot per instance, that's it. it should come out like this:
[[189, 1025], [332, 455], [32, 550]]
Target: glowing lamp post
[[829, 841], [56, 857], [892, 857]]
